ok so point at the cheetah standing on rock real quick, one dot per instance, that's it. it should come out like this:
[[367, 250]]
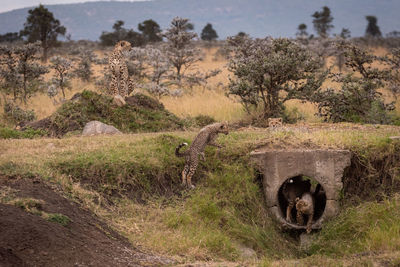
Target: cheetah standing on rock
[[205, 137], [120, 82]]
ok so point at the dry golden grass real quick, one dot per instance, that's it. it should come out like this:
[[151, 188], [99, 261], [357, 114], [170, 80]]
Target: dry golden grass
[[211, 100], [211, 103]]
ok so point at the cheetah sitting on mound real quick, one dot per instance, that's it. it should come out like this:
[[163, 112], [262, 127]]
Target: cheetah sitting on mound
[[205, 137], [120, 82]]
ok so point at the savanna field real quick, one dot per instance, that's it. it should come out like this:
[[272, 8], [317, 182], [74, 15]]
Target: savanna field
[[128, 185]]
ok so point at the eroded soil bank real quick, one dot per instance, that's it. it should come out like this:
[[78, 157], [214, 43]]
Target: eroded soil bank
[[28, 239]]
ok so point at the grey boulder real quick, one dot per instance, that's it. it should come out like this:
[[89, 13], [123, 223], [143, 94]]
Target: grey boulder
[[97, 127]]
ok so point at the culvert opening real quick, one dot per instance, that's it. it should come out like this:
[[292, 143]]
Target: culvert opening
[[298, 185]]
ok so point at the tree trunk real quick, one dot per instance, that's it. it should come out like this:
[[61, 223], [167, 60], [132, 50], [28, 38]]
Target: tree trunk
[[45, 48], [178, 73]]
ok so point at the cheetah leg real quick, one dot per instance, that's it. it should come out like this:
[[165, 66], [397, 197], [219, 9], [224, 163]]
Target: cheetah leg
[[113, 90], [289, 211], [299, 217], [131, 85], [190, 174], [184, 174], [309, 222], [123, 91]]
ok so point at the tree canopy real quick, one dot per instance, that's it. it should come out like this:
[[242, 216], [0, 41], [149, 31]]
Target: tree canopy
[[302, 31], [323, 22], [180, 50], [120, 33], [208, 33], [150, 31], [269, 72], [372, 27], [41, 26]]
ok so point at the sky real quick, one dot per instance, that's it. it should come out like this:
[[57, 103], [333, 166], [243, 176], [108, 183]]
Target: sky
[[7, 5]]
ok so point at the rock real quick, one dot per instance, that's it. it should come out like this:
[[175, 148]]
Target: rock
[[246, 252], [119, 101], [96, 127]]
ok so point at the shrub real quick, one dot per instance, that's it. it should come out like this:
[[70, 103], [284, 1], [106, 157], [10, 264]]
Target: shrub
[[359, 99], [270, 72], [17, 115]]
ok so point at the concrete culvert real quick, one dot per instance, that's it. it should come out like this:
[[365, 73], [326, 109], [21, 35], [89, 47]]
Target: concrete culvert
[[318, 167], [317, 191]]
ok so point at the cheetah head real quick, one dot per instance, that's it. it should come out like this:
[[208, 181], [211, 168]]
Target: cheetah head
[[223, 128], [300, 204], [123, 46]]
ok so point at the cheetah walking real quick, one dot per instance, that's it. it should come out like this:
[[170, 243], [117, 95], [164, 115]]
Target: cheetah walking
[[120, 82], [205, 137]]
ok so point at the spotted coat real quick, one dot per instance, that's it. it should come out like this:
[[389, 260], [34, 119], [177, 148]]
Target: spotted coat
[[120, 83], [205, 137]]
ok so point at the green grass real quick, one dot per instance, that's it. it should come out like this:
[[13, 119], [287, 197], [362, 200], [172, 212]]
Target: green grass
[[8, 133], [371, 226], [31, 205], [58, 218]]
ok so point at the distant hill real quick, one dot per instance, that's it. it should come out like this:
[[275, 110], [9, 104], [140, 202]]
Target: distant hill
[[258, 18]]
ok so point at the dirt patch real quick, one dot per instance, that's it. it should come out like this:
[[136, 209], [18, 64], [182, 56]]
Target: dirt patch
[[30, 240]]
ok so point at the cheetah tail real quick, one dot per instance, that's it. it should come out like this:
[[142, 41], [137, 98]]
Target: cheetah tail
[[177, 153]]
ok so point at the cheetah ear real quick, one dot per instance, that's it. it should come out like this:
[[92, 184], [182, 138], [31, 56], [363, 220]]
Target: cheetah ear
[[297, 199]]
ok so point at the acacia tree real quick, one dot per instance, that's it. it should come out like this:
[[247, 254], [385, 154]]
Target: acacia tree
[[10, 37], [359, 99], [41, 26], [21, 74], [150, 31], [208, 33], [269, 72], [372, 27], [84, 59], [62, 76], [323, 22], [302, 31], [179, 48]]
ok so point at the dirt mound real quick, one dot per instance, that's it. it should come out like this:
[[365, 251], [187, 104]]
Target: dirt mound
[[141, 114], [28, 239]]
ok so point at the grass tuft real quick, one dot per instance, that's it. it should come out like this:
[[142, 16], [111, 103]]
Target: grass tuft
[[371, 226]]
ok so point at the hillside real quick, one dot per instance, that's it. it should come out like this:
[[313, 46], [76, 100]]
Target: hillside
[[257, 17], [132, 185]]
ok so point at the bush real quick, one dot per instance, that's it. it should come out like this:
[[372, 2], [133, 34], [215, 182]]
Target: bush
[[270, 72], [141, 114], [359, 99], [17, 115], [7, 133]]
